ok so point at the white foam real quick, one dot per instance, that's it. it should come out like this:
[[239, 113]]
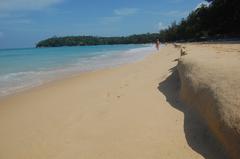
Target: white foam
[[14, 82]]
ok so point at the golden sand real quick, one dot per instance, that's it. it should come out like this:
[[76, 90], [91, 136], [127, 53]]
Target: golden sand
[[128, 112]]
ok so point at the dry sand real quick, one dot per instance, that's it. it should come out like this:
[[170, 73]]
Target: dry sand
[[129, 112]]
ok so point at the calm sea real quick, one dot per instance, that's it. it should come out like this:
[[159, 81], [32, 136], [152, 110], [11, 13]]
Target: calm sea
[[25, 68]]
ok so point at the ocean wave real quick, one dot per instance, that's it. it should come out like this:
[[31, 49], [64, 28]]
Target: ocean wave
[[17, 81]]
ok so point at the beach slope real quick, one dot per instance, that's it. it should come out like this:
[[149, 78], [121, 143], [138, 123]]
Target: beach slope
[[131, 111]]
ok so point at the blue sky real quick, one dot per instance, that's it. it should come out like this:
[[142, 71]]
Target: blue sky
[[24, 22]]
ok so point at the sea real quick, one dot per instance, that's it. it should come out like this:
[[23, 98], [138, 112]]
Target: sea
[[21, 69]]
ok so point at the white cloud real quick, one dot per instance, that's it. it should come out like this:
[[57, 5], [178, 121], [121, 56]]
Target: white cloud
[[125, 11], [204, 3], [171, 13], [118, 15], [10, 10], [18, 5], [161, 26]]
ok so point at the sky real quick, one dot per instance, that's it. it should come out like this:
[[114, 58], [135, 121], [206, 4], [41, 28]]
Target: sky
[[25, 22]]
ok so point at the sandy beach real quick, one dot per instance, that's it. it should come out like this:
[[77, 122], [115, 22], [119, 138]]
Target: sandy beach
[[129, 112]]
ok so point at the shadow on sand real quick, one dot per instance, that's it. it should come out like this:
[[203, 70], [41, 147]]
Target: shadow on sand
[[196, 132]]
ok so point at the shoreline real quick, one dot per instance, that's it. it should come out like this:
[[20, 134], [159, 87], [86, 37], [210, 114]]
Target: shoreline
[[128, 111], [69, 77], [71, 71]]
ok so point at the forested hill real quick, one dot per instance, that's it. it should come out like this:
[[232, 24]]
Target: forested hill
[[220, 19], [94, 40]]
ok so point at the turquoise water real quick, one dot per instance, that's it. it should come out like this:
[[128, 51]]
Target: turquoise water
[[25, 68]]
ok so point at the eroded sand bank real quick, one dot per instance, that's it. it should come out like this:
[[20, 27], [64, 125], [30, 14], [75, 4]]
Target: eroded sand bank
[[210, 77]]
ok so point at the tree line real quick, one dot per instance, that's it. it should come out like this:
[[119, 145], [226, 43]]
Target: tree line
[[94, 40], [221, 19]]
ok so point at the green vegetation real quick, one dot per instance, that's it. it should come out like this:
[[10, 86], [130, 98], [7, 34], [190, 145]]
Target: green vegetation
[[92, 40], [221, 19]]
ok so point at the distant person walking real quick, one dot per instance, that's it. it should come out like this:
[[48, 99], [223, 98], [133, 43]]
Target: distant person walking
[[157, 44]]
